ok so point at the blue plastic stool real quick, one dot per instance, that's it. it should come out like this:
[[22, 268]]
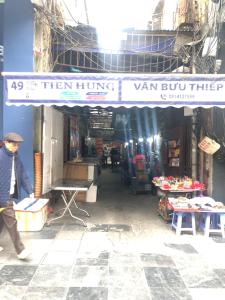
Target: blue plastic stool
[[184, 221], [214, 222]]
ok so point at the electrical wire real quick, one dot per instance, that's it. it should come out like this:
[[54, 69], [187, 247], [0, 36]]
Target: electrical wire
[[66, 35], [74, 43]]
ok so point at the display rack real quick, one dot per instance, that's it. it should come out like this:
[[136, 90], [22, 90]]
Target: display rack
[[174, 153], [174, 187], [165, 210]]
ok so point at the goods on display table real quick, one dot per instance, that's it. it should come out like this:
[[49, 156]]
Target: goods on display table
[[196, 203], [201, 212], [174, 186]]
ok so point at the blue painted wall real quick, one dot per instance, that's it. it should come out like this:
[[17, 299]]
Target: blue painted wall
[[1, 69], [18, 57]]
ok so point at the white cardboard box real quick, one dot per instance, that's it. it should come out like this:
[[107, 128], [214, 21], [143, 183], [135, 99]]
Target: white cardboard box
[[92, 193], [31, 214]]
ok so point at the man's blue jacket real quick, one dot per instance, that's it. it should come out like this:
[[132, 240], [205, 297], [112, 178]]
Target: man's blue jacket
[[22, 179]]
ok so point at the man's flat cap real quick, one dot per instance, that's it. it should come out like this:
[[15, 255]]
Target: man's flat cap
[[13, 137]]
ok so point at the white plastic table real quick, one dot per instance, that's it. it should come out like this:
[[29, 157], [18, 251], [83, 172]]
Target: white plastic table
[[69, 190]]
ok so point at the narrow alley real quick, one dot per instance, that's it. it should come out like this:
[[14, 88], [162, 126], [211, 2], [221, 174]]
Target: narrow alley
[[127, 252]]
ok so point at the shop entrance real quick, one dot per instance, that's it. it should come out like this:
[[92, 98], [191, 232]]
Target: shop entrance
[[135, 144]]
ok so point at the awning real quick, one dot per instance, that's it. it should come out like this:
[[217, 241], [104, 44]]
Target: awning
[[115, 90]]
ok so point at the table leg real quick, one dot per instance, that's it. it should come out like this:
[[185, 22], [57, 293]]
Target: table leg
[[67, 207], [193, 223], [179, 223], [222, 224], [74, 201], [207, 225]]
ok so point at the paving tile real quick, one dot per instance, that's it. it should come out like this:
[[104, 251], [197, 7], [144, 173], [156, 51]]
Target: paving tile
[[110, 227], [6, 256], [218, 239], [17, 275], [43, 234], [161, 277], [51, 275], [127, 276], [87, 293], [99, 228], [207, 293], [120, 227], [45, 293], [64, 245], [121, 258], [39, 244], [200, 277], [183, 261], [69, 235], [91, 262], [170, 293], [93, 259], [221, 275], [34, 259], [95, 242], [94, 255], [12, 292], [132, 292], [156, 260], [64, 257], [89, 276], [186, 248], [74, 227], [53, 226]]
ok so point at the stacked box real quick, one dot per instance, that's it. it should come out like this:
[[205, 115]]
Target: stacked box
[[92, 193], [140, 165], [31, 214]]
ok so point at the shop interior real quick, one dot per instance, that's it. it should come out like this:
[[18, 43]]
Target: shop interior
[[134, 144], [132, 157]]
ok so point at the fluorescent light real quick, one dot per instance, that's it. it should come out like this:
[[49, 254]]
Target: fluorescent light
[[150, 140]]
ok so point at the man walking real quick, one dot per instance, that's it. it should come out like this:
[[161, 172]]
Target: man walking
[[12, 178]]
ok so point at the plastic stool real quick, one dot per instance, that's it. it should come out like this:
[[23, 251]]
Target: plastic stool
[[214, 223], [179, 223]]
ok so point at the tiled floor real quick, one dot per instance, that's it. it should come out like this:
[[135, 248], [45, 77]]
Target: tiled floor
[[127, 252]]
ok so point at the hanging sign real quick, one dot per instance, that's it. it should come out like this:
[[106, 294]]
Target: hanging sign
[[115, 90], [209, 146]]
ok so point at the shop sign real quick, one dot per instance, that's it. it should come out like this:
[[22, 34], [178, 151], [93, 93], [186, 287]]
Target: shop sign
[[114, 89]]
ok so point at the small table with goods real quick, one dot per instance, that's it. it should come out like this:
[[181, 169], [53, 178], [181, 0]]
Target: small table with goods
[[202, 213], [69, 190], [174, 187]]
